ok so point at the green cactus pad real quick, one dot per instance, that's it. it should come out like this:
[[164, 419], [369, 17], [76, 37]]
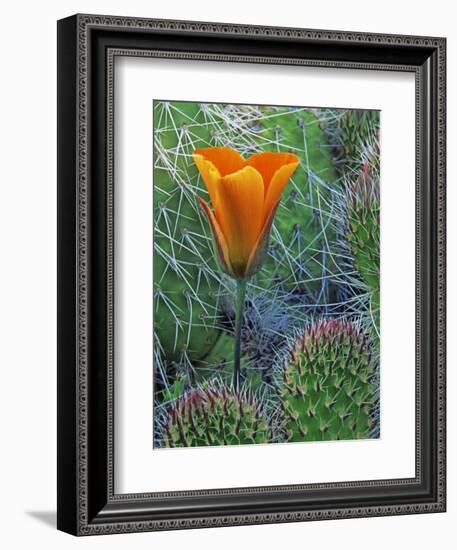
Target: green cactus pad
[[215, 415], [326, 389], [356, 128], [363, 233], [186, 281]]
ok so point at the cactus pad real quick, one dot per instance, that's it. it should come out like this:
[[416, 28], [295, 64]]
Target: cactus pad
[[326, 389], [215, 415], [363, 233]]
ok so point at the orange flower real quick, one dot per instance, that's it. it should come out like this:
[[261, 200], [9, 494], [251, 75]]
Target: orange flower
[[244, 195]]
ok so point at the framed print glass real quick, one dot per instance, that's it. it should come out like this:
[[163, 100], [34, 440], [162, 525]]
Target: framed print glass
[[251, 274]]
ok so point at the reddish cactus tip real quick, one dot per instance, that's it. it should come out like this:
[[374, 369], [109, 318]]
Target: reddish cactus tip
[[328, 330]]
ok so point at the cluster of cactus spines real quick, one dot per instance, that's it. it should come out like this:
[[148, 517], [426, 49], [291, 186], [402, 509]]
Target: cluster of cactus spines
[[215, 415], [327, 389], [302, 229], [266, 324], [185, 281]]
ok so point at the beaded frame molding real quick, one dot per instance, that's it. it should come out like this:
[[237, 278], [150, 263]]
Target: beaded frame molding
[[87, 48]]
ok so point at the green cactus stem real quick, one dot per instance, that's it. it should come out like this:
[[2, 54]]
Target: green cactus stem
[[240, 296]]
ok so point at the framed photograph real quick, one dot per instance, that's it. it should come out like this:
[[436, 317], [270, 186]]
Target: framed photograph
[[251, 280]]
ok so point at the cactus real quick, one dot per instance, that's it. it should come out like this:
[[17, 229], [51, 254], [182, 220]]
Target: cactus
[[219, 361], [326, 389], [356, 129], [363, 234], [349, 131], [185, 279], [215, 415]]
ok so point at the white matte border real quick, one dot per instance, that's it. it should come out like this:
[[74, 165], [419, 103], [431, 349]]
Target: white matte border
[[137, 467]]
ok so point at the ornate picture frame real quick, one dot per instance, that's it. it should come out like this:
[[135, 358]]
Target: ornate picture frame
[[87, 501]]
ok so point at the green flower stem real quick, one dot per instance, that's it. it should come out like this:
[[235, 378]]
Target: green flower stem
[[240, 295]]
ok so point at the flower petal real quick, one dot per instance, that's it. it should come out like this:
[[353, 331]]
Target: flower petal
[[226, 160], [220, 244], [277, 184], [241, 214], [270, 162], [260, 249], [210, 176]]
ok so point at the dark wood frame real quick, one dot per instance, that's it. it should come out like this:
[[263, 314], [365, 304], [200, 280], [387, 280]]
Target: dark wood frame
[[87, 46]]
